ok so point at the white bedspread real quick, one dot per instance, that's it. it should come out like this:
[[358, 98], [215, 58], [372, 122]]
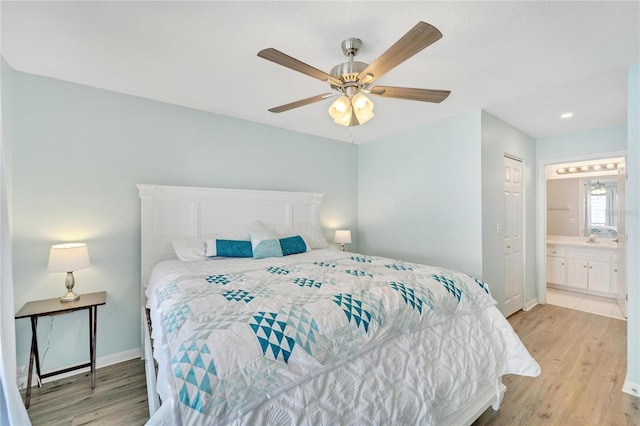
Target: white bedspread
[[350, 339]]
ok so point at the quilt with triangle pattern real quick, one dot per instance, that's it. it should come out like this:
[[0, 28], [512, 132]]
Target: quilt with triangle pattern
[[237, 332]]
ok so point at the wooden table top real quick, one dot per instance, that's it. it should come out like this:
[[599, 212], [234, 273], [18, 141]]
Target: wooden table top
[[52, 306]]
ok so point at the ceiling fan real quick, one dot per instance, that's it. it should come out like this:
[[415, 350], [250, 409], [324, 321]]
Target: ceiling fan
[[352, 80]]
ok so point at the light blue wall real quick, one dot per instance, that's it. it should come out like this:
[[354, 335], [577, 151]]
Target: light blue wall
[[419, 195], [6, 80], [589, 142], [78, 153], [633, 227], [498, 139]]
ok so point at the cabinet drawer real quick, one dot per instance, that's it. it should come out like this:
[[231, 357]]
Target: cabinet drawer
[[556, 251], [591, 254]]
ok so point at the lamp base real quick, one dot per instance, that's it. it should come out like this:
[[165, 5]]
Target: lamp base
[[70, 297], [341, 247]]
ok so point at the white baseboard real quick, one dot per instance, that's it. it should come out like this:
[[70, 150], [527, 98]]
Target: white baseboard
[[103, 361], [530, 304], [631, 388]]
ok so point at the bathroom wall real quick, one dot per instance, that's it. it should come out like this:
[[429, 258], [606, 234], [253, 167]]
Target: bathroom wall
[[563, 207]]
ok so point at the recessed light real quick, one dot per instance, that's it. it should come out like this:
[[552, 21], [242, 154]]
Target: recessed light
[[567, 115]]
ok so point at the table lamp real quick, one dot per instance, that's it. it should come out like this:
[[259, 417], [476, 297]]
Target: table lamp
[[68, 258], [342, 237]]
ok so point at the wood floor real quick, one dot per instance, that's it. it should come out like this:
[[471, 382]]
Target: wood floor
[[119, 398], [583, 361], [582, 355]]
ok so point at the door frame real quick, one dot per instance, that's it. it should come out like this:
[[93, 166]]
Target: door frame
[[541, 212]]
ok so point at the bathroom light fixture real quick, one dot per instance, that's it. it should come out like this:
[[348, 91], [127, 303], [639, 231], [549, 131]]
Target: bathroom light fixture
[[587, 168], [68, 258]]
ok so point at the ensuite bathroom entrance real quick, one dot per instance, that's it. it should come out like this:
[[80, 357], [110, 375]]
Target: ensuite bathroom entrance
[[585, 229]]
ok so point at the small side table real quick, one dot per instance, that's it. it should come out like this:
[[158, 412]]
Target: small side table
[[50, 307]]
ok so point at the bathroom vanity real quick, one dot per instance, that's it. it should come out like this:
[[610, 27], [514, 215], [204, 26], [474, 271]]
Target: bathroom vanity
[[574, 263]]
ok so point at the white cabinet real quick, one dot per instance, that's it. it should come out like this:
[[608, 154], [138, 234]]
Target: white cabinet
[[585, 269], [556, 265], [614, 278], [589, 269], [577, 273]]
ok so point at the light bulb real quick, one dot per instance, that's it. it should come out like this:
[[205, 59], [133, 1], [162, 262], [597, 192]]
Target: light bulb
[[340, 110], [363, 107]]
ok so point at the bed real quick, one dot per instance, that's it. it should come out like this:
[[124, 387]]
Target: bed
[[314, 336]]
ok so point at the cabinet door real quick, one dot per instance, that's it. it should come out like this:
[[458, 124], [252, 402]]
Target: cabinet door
[[614, 278], [599, 276], [556, 270], [577, 272]]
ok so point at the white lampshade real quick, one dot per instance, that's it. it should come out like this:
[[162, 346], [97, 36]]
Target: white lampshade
[[362, 107], [68, 257], [340, 110], [351, 111], [342, 237]]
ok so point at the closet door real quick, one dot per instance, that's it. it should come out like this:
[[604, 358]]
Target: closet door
[[513, 236]]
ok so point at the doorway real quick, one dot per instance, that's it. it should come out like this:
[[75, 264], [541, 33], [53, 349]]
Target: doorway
[[584, 216]]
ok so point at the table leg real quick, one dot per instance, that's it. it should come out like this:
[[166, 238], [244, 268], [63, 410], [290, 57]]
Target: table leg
[[93, 322], [34, 350]]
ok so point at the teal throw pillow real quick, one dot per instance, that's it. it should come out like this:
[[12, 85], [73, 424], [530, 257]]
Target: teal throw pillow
[[265, 243], [293, 245]]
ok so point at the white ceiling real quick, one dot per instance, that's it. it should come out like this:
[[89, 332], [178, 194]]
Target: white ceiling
[[524, 62]]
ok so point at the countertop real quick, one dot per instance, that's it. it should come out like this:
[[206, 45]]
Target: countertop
[[602, 243]]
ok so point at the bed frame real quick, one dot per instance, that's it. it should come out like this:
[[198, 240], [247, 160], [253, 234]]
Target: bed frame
[[172, 212]]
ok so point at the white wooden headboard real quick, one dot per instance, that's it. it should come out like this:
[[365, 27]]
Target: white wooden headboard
[[172, 212]]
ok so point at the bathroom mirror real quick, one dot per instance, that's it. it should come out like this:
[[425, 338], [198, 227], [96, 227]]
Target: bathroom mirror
[[600, 208]]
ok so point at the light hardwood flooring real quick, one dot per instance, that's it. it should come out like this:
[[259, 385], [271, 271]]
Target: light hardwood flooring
[[583, 361], [119, 398], [582, 355]]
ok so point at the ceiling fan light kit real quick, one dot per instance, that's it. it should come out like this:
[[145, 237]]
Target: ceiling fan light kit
[[351, 80], [351, 111]]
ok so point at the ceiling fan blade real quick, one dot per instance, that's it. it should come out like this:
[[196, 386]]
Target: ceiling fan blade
[[285, 60], [302, 102], [418, 38], [423, 95]]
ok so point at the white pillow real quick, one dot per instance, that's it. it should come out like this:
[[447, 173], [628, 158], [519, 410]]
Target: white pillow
[[311, 233], [189, 249]]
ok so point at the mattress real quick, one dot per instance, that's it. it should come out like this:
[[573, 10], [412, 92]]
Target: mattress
[[323, 337]]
